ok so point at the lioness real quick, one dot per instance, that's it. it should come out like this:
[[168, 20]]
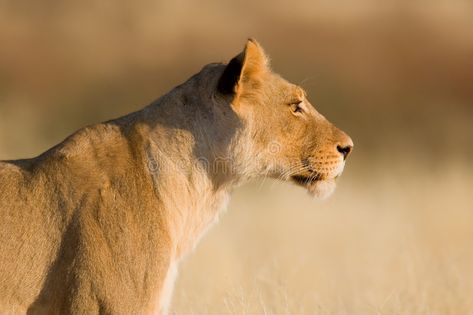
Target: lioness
[[98, 224]]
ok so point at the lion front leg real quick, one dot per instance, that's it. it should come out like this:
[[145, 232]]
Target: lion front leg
[[167, 288]]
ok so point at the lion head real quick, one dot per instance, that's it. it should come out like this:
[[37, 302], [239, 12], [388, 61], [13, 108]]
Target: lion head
[[289, 139]]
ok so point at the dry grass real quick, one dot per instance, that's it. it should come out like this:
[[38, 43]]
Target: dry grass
[[400, 242]]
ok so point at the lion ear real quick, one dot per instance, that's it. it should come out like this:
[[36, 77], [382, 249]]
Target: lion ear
[[245, 68]]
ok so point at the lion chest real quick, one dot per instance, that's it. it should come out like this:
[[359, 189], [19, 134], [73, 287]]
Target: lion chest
[[197, 220]]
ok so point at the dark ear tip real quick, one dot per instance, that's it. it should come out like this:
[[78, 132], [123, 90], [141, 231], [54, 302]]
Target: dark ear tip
[[231, 76]]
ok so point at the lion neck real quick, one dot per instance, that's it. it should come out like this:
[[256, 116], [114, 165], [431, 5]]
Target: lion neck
[[194, 160]]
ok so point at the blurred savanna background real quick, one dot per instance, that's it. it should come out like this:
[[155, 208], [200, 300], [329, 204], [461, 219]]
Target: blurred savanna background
[[397, 75]]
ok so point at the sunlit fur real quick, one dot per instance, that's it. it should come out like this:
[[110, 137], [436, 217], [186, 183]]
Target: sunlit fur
[[99, 223]]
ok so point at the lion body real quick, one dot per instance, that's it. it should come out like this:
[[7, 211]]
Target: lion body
[[98, 224]]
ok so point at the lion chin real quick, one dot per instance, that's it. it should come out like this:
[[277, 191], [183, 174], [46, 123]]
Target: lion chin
[[319, 188], [322, 188]]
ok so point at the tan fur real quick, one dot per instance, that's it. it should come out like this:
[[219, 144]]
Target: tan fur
[[98, 224]]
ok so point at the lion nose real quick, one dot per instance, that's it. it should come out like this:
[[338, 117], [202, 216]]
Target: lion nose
[[344, 150], [343, 142], [346, 147]]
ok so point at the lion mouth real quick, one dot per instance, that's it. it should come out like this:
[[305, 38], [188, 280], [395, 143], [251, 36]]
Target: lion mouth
[[306, 180], [317, 185]]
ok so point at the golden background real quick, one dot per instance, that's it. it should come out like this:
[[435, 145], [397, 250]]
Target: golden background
[[397, 236]]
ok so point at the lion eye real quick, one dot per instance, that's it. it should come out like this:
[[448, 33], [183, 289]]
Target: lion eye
[[296, 107]]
